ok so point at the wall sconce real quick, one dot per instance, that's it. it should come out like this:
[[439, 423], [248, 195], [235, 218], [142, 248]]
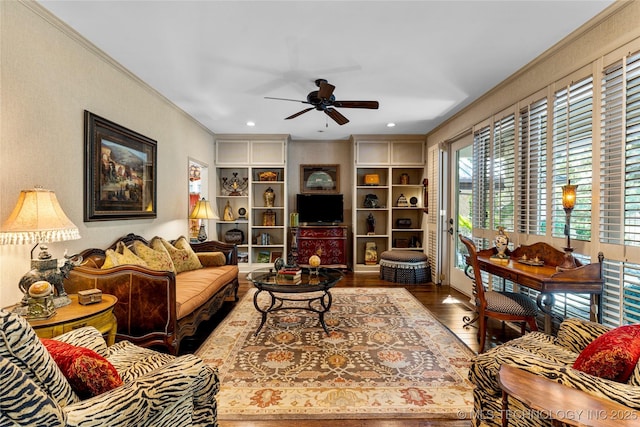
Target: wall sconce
[[201, 211], [568, 203], [37, 219]]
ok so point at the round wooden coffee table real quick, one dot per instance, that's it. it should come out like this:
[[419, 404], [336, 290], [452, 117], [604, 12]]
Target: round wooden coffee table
[[75, 315], [311, 289]]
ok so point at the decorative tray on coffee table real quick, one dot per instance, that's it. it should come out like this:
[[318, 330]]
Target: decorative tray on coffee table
[[528, 261]]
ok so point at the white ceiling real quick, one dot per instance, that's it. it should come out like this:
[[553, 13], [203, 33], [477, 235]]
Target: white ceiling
[[422, 60]]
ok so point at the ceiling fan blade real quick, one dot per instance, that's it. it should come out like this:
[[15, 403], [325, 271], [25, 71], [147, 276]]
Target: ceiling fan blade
[[335, 115], [373, 105], [287, 99], [325, 90], [293, 116]]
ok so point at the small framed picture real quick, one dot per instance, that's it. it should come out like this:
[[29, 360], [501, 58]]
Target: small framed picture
[[319, 178], [263, 257]]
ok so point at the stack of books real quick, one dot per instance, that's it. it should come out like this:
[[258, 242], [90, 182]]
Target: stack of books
[[290, 275]]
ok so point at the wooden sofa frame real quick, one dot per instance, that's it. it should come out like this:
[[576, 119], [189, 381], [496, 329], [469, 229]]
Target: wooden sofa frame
[[146, 308]]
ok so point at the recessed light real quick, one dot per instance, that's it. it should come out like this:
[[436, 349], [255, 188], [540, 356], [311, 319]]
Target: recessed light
[[390, 125], [250, 123]]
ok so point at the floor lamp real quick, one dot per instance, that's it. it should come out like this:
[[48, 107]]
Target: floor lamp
[[202, 211], [568, 203], [38, 219]]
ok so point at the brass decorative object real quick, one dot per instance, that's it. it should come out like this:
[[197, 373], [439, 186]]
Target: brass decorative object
[[269, 197], [269, 218], [235, 186]]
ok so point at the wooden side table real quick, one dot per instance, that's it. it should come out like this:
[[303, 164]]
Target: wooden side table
[[75, 315], [565, 405]]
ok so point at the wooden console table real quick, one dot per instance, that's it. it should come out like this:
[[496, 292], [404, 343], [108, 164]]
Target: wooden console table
[[561, 403], [330, 240], [586, 279], [75, 315]]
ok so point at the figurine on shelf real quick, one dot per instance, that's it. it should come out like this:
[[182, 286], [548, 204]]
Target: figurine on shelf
[[371, 224], [228, 212]]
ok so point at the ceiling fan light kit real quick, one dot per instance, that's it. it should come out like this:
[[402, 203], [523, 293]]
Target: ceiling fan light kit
[[324, 100]]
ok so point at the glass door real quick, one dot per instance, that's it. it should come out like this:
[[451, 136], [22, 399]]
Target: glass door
[[460, 208]]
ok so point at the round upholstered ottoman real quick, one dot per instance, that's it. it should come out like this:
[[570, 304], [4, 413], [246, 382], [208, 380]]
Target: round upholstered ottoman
[[405, 267]]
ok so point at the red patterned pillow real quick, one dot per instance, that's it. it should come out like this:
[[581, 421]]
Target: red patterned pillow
[[613, 355], [88, 373]]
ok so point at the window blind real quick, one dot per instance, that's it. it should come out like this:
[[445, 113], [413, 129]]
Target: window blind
[[481, 177], [532, 173], [503, 173], [572, 155]]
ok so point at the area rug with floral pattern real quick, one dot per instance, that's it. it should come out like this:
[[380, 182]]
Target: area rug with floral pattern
[[386, 355]]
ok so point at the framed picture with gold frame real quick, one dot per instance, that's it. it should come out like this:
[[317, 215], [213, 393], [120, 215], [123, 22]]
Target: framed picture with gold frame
[[319, 178]]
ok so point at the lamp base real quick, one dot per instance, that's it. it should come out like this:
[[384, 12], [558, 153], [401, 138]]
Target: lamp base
[[202, 234], [569, 262]]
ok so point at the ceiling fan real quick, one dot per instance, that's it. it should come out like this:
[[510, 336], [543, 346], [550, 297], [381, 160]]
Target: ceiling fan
[[324, 100]]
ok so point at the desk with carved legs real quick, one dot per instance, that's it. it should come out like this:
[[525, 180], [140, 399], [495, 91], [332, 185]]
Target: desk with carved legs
[[585, 279]]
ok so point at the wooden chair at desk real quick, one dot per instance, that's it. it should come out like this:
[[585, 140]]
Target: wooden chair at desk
[[504, 306]]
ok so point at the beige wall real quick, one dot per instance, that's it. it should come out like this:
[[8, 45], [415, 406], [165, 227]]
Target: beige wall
[[321, 152], [48, 76]]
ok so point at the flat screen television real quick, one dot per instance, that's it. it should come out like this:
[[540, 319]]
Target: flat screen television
[[320, 208]]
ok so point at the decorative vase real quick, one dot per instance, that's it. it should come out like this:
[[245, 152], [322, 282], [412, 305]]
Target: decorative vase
[[370, 253], [404, 179], [268, 196]]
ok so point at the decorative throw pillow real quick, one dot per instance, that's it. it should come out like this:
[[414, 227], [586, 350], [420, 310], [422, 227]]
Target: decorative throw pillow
[[183, 257], [120, 256], [88, 373], [613, 355], [212, 259], [155, 259]]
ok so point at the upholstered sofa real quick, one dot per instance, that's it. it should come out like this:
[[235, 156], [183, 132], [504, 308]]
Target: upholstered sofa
[[150, 389], [552, 357], [157, 306]]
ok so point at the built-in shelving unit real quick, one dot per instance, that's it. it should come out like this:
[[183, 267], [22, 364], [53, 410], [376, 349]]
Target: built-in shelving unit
[[257, 164], [399, 165]]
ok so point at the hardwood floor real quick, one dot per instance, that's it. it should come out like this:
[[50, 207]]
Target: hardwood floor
[[447, 305]]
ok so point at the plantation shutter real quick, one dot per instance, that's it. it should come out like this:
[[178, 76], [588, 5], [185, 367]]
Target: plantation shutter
[[612, 156], [481, 177], [572, 160], [503, 173], [620, 184], [532, 173], [572, 156]]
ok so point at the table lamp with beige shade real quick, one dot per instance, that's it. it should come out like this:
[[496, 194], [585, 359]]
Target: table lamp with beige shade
[[203, 211], [38, 219]]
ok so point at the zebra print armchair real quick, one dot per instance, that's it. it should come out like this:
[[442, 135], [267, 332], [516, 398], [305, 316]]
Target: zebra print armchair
[[157, 389], [548, 356]]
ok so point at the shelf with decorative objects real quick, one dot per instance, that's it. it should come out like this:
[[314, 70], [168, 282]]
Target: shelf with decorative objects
[[388, 197], [258, 215]]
